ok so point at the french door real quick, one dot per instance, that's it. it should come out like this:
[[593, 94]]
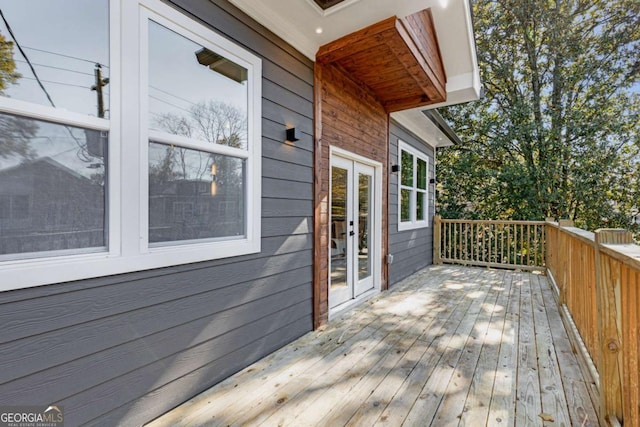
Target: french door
[[352, 245]]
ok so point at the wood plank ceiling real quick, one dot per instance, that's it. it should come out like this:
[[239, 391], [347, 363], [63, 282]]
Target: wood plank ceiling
[[398, 59]]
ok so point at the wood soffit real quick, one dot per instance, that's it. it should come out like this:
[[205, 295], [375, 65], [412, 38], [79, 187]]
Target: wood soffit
[[398, 59]]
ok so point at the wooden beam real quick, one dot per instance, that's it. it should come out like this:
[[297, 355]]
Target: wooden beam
[[436, 239], [320, 289]]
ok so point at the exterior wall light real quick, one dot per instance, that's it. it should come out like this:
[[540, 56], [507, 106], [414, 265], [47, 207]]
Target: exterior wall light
[[291, 135]]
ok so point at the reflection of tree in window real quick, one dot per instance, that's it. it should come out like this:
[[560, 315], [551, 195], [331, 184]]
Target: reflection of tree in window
[[214, 121]]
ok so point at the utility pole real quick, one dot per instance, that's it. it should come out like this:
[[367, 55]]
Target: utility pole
[[100, 83]]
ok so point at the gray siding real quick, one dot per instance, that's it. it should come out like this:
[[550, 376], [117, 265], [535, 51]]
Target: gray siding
[[411, 249], [127, 348]]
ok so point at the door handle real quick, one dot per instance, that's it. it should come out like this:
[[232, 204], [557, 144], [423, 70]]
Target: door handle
[[352, 233]]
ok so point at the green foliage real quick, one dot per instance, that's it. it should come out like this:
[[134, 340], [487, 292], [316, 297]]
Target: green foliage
[[556, 133], [8, 72]]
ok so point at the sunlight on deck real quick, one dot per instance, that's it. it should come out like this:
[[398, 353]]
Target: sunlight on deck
[[448, 346]]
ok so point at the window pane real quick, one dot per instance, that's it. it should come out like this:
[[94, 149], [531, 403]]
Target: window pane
[[52, 186], [195, 92], [365, 196], [421, 203], [67, 43], [405, 205], [194, 194], [338, 227], [407, 169], [422, 174]]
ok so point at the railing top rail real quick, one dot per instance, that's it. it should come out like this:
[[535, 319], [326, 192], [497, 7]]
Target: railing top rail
[[628, 254], [491, 221], [587, 237]]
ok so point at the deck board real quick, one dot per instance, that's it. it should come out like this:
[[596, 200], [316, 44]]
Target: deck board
[[448, 346]]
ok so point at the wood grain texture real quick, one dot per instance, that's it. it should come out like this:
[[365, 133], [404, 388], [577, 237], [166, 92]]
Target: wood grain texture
[[441, 348], [398, 59], [350, 117]]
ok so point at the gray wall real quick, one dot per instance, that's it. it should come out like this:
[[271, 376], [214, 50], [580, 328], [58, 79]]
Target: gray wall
[[411, 249], [124, 349]]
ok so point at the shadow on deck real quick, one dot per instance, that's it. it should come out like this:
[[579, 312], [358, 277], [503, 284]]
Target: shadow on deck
[[447, 346]]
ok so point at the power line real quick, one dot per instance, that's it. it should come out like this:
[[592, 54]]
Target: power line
[[57, 83], [168, 103], [57, 68], [170, 94], [82, 151], [66, 56], [24, 55]]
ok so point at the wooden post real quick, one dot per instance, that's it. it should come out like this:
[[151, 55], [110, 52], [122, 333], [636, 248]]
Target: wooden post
[[564, 260], [610, 366], [437, 259]]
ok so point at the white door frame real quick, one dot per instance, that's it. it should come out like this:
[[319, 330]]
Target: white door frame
[[337, 158]]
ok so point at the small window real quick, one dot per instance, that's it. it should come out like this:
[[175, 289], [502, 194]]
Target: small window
[[413, 189]]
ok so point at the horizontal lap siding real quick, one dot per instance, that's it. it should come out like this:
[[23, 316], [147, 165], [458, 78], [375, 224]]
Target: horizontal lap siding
[[125, 349], [411, 249]]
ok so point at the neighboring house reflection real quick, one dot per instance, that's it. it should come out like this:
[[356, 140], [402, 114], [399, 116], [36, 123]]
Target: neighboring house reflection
[[36, 213], [186, 209]]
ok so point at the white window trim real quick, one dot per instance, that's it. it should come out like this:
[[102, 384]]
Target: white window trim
[[413, 223], [127, 201]]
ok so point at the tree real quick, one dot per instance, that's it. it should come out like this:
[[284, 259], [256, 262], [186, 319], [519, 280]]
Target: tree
[[15, 132], [556, 133], [8, 73]]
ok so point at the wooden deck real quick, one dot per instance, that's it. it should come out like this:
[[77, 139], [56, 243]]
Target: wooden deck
[[448, 346]]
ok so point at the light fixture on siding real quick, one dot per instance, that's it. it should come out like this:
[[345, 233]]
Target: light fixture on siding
[[291, 136], [395, 168]]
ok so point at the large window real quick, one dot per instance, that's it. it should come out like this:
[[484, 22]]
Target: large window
[[129, 140], [54, 130], [413, 194]]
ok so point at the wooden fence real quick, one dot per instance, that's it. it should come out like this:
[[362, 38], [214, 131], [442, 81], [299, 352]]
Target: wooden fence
[[597, 280], [501, 244]]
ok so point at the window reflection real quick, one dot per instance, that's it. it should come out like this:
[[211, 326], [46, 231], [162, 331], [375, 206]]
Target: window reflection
[[194, 194], [195, 92], [56, 54], [52, 187]]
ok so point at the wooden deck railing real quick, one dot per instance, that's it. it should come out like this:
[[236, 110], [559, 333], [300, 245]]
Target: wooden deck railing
[[597, 280], [598, 276], [501, 244]]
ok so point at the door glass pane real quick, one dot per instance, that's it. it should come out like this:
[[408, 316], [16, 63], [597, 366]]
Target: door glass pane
[[338, 246], [194, 194], [64, 60], [421, 203], [195, 92], [364, 225], [52, 187]]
